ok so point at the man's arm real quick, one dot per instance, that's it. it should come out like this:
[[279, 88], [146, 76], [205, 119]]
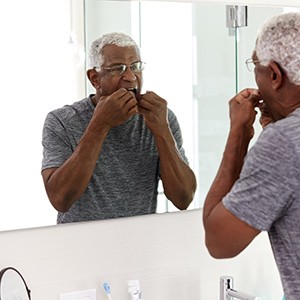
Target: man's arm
[[225, 234], [66, 184], [178, 179]]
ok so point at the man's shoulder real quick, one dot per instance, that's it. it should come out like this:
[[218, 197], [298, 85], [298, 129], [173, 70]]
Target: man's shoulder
[[70, 110], [171, 115], [289, 126]]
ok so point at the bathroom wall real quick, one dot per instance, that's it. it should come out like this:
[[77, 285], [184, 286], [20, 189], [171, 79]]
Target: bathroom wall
[[41, 59], [165, 252]]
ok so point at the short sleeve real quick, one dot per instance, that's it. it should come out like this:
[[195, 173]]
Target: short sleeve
[[56, 145], [266, 186], [176, 131]]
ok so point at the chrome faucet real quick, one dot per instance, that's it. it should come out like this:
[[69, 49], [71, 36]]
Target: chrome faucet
[[228, 293]]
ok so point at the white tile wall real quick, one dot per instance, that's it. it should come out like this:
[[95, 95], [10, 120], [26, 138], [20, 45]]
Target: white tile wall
[[165, 252]]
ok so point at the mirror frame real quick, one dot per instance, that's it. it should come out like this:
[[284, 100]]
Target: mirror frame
[[293, 3], [2, 272]]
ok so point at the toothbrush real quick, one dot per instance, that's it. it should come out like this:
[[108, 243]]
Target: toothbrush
[[107, 290]]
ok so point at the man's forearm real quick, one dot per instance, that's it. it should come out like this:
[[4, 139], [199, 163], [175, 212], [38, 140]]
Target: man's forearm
[[232, 162], [66, 184], [178, 179]]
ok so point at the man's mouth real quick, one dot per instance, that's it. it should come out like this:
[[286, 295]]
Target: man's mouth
[[134, 90]]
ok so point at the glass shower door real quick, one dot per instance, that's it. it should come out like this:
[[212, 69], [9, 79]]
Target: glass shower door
[[213, 85]]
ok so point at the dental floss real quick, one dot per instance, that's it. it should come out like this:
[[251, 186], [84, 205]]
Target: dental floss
[[107, 290], [134, 289]]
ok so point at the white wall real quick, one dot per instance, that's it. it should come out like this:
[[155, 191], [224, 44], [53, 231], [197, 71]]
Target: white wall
[[40, 71], [165, 252]]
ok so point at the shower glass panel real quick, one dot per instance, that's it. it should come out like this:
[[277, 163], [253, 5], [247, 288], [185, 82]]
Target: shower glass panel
[[213, 85]]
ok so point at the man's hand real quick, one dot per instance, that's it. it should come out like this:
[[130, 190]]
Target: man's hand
[[242, 109], [154, 110], [115, 109], [265, 117]]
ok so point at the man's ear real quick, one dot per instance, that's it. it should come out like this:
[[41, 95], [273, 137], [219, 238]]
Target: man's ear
[[277, 75], [93, 77]]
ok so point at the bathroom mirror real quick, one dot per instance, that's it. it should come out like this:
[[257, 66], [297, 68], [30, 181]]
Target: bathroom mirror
[[49, 72], [13, 285]]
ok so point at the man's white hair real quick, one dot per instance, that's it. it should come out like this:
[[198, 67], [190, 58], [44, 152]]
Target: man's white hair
[[115, 38], [279, 41]]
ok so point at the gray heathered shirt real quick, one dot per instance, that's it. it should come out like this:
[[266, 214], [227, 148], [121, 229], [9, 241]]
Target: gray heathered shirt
[[126, 176], [267, 196]]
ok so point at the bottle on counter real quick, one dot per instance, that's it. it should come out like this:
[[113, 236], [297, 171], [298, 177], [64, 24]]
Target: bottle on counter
[[134, 289]]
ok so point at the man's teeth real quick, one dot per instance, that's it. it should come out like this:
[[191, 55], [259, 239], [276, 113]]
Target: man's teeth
[[134, 90]]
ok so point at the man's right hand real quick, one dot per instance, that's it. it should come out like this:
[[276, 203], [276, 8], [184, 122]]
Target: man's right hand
[[265, 117], [115, 109]]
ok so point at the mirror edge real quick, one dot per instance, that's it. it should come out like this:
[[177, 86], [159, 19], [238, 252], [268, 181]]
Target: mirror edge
[[2, 272]]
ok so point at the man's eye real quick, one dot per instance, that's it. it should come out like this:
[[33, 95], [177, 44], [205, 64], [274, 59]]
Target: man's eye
[[118, 69], [136, 67]]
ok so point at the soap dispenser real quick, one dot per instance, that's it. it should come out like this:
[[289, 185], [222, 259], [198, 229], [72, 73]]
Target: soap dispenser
[[134, 289]]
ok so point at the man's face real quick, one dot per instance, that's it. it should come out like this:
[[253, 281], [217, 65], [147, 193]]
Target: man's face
[[110, 81], [270, 96]]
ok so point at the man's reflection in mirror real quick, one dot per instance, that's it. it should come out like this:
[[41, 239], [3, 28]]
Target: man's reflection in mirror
[[103, 156]]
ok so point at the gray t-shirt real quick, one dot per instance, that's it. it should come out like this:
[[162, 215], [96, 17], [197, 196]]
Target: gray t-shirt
[[126, 176], [267, 195]]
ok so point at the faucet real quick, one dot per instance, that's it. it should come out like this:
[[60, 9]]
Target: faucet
[[228, 293]]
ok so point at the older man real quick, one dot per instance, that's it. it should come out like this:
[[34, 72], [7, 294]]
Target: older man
[[260, 190], [104, 155]]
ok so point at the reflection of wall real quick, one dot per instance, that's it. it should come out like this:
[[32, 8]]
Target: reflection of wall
[[165, 252], [37, 75]]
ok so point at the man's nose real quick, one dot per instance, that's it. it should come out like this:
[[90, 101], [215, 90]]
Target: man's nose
[[129, 75]]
